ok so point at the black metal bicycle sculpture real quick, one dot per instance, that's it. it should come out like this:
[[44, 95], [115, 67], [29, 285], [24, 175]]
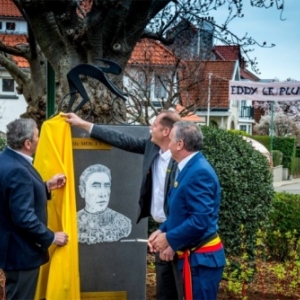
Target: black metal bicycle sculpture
[[133, 107]]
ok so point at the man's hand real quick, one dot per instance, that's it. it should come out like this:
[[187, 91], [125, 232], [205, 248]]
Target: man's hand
[[160, 242], [152, 237], [61, 239], [73, 119], [167, 255], [56, 182]]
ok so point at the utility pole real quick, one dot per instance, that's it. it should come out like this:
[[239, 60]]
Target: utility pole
[[272, 128]]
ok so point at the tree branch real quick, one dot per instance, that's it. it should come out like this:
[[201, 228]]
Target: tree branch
[[12, 50], [13, 69]]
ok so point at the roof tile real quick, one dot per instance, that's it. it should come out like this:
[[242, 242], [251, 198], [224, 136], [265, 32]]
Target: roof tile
[[245, 74], [227, 52], [149, 52], [196, 84], [8, 9]]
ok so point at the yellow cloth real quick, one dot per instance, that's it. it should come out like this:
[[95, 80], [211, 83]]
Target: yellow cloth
[[59, 279]]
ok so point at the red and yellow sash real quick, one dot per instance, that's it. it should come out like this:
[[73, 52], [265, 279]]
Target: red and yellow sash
[[212, 246]]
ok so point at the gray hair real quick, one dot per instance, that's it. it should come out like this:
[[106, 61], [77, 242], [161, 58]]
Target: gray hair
[[191, 135], [18, 131], [93, 169]]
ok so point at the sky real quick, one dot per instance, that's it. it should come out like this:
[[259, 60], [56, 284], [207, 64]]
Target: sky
[[281, 61]]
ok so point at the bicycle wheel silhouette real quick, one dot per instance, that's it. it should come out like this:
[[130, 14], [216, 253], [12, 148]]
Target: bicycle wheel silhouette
[[86, 109]]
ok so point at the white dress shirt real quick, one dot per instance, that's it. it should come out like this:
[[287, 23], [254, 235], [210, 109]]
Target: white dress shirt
[[182, 164], [159, 171]]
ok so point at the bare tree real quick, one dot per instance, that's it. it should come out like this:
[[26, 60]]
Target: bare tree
[[159, 79], [67, 33]]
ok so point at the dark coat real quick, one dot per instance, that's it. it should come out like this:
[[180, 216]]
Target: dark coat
[[136, 145], [24, 236]]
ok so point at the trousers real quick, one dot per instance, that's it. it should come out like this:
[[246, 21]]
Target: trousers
[[169, 285], [21, 284]]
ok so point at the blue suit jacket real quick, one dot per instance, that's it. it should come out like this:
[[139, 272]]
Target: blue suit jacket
[[24, 237], [194, 203]]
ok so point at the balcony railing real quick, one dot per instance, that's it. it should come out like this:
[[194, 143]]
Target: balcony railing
[[247, 112]]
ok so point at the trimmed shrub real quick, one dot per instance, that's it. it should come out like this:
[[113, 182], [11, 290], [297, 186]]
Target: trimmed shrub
[[296, 167], [240, 132], [287, 145], [277, 158], [247, 187], [288, 148], [263, 139], [284, 217]]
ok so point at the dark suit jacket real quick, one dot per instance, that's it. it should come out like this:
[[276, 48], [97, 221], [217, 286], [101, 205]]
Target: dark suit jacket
[[24, 237], [136, 145], [194, 203]]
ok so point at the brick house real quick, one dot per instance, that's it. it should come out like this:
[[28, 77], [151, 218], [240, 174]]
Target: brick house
[[247, 114]]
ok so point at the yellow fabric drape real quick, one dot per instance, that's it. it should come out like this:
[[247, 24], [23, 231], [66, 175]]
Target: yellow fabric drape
[[59, 278]]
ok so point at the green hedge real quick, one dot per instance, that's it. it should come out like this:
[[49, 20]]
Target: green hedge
[[240, 132], [277, 158], [288, 148], [2, 143], [284, 217], [296, 167], [247, 187], [287, 145], [263, 139]]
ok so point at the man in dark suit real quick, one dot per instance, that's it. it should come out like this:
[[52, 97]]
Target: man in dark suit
[[24, 236], [192, 224], [157, 166]]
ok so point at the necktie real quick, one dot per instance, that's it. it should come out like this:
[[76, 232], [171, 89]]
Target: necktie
[[177, 173]]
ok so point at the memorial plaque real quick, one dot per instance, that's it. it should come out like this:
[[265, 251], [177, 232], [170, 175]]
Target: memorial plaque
[[112, 250]]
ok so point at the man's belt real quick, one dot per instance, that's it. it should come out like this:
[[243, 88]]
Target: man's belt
[[213, 245]]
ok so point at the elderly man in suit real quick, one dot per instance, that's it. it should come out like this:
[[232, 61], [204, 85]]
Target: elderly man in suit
[[192, 224], [24, 236], [157, 168]]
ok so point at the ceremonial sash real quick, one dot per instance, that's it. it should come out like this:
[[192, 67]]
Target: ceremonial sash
[[212, 246]]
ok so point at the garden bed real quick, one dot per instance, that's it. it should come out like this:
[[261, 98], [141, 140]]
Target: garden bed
[[264, 286]]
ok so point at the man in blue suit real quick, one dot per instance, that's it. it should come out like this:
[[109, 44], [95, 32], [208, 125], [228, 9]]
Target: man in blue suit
[[24, 236], [192, 224]]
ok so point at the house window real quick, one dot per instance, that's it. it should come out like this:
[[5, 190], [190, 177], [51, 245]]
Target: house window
[[160, 86], [10, 26], [246, 128], [243, 128], [8, 85], [143, 84], [246, 111], [0, 25]]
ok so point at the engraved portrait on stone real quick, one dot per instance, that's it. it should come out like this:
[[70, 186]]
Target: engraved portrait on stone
[[97, 223]]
